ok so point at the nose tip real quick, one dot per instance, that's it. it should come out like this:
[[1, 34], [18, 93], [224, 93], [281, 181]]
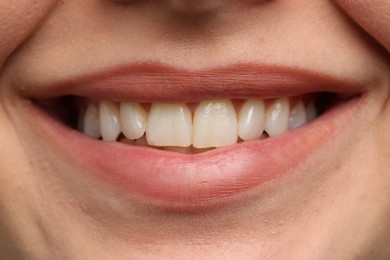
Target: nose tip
[[197, 5]]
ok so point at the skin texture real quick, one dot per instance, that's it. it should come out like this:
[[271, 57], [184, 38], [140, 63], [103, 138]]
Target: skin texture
[[373, 17], [48, 210]]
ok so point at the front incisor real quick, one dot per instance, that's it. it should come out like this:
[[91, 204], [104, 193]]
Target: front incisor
[[215, 124], [169, 125]]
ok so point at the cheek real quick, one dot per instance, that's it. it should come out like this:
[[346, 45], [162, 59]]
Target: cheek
[[371, 15], [18, 21], [13, 162], [383, 136]]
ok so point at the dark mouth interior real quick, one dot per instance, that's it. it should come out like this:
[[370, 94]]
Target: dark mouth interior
[[67, 109], [64, 109]]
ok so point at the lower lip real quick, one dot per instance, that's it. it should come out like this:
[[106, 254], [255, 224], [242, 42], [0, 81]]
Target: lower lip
[[180, 180]]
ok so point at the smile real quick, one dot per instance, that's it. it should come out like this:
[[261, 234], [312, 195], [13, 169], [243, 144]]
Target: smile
[[210, 124], [182, 139]]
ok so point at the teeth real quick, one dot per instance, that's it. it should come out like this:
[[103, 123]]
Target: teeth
[[251, 120], [109, 121], [215, 124], [169, 125], [133, 120], [91, 122], [311, 112], [297, 116], [277, 117]]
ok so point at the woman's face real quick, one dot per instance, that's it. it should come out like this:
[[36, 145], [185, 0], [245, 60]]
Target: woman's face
[[315, 192]]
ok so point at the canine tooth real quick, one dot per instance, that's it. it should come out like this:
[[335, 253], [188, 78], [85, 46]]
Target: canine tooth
[[297, 116], [133, 120], [109, 121], [169, 125], [215, 124], [251, 120], [311, 112], [91, 123], [277, 117]]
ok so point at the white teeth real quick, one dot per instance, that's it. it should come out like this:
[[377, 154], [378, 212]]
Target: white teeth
[[91, 123], [311, 112], [215, 124], [169, 125], [109, 121], [297, 116], [277, 117], [133, 120], [251, 120]]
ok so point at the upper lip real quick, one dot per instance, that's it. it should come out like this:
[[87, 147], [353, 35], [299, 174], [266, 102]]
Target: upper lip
[[154, 82]]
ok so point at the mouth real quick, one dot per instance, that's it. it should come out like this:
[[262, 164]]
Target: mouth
[[193, 139], [189, 128]]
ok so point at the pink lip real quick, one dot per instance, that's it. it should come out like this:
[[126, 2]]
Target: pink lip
[[156, 82], [182, 180]]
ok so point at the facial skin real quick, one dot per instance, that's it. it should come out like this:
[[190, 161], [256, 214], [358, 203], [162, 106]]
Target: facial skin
[[49, 209]]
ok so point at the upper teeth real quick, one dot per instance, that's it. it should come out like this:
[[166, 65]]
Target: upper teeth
[[133, 120], [251, 122], [276, 117], [169, 125], [213, 123], [110, 125]]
